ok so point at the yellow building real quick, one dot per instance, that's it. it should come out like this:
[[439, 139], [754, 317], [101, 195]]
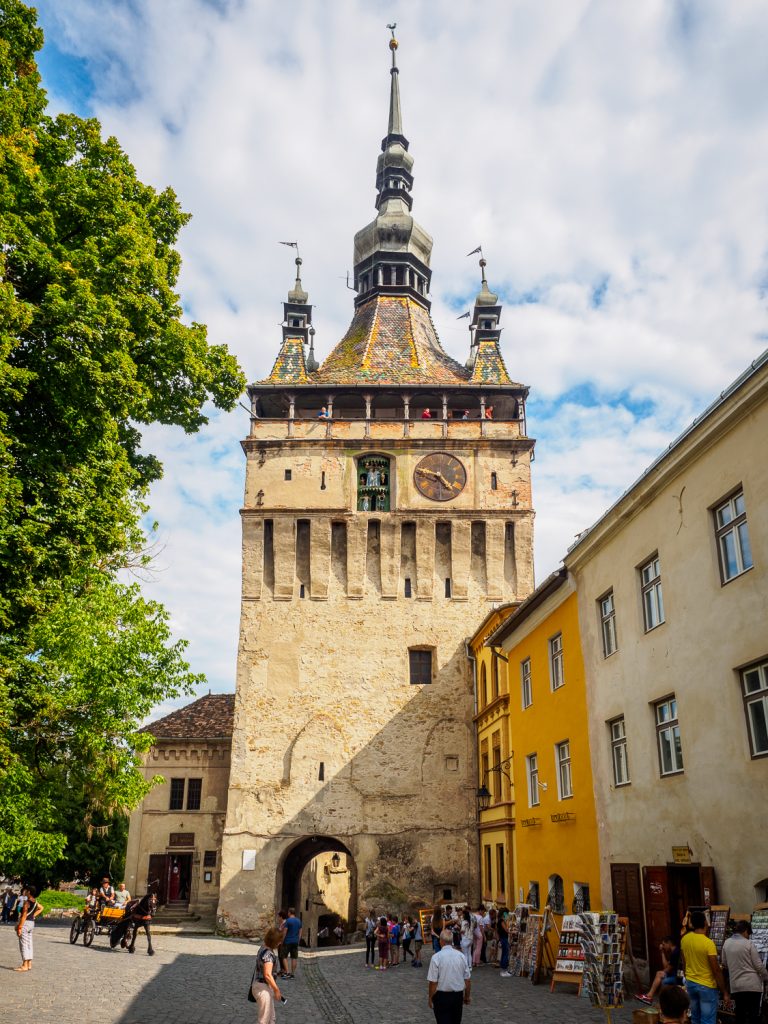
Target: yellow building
[[496, 798], [556, 857]]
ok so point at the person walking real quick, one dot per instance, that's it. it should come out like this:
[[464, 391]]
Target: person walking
[[502, 929], [263, 985], [31, 910], [436, 926], [478, 935], [291, 940], [418, 942], [406, 937], [370, 939], [382, 937], [746, 973], [448, 981], [703, 974], [467, 938]]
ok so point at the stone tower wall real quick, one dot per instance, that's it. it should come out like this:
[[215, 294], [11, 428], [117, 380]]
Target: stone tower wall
[[331, 739]]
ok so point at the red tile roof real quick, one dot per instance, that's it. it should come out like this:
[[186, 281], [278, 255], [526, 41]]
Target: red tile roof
[[210, 717], [289, 366], [391, 340]]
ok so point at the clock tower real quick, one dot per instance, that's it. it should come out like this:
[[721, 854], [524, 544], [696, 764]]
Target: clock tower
[[387, 508]]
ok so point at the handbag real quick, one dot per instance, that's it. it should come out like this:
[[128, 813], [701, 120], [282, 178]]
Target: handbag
[[251, 996]]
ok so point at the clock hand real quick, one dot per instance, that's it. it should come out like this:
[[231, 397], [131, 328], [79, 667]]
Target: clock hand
[[428, 472]]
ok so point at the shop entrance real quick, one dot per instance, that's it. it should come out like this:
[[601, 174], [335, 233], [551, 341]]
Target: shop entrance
[[318, 877], [179, 877], [670, 891]]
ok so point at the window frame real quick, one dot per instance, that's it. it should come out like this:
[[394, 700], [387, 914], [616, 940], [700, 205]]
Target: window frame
[[556, 667], [532, 776], [176, 799], [564, 770], [526, 683], [651, 588], [194, 794], [415, 651], [618, 742], [671, 724], [732, 528], [759, 696], [608, 623]]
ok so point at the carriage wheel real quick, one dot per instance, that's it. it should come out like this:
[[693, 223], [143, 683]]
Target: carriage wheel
[[74, 931], [88, 933]]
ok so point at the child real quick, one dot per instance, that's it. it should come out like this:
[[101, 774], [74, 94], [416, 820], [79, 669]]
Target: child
[[382, 936], [673, 1003]]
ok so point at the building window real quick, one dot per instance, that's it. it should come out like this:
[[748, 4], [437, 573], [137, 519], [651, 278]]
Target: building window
[[488, 870], [754, 681], [556, 896], [653, 603], [494, 481], [407, 586], [532, 899], [619, 751], [448, 587], [495, 676], [581, 901], [496, 760], [485, 764], [194, 792], [483, 686], [563, 763], [733, 537], [668, 736], [373, 484], [608, 624], [420, 665], [556, 661], [500, 872], [288, 474], [209, 859], [525, 683], [532, 768], [177, 795]]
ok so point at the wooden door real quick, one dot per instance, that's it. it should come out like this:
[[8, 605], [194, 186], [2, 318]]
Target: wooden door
[[157, 877], [708, 886], [657, 916], [627, 901]]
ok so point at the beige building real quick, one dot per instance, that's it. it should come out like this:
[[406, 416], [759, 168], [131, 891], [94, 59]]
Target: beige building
[[673, 606], [174, 838], [387, 507]]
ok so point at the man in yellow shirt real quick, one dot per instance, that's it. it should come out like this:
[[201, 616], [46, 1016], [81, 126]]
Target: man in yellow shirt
[[703, 974]]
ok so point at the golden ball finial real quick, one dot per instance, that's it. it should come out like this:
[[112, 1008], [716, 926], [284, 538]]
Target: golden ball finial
[[393, 44]]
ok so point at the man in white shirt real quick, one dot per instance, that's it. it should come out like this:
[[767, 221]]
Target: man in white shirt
[[449, 982], [122, 896]]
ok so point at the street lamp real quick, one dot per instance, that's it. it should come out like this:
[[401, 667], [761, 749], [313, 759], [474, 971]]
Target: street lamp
[[483, 798], [336, 860]]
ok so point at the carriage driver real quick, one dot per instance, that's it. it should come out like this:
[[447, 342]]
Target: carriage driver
[[106, 893]]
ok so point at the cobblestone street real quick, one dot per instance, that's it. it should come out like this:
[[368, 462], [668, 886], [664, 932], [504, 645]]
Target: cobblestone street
[[204, 980]]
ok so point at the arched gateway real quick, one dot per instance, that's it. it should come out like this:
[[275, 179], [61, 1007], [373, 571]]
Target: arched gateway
[[375, 537]]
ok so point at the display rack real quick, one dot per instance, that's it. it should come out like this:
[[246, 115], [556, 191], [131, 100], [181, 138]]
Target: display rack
[[718, 926], [602, 940], [569, 965], [526, 953]]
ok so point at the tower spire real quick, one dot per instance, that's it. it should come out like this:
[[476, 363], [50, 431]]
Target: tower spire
[[392, 253], [292, 365]]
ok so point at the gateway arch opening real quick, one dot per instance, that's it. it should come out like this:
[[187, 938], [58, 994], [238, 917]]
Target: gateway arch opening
[[319, 879]]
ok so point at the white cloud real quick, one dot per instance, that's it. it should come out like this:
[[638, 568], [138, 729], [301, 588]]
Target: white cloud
[[610, 158]]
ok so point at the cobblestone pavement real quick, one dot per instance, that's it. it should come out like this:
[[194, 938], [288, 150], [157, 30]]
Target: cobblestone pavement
[[204, 980]]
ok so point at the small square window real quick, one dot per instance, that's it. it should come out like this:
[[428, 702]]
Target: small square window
[[209, 859], [420, 666]]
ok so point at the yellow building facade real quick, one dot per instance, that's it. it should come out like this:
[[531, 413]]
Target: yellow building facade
[[555, 849], [496, 798]]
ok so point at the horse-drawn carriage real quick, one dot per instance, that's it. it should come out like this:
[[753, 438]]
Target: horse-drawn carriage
[[120, 923]]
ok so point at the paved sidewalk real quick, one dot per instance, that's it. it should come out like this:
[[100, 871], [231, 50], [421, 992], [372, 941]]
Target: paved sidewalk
[[204, 980]]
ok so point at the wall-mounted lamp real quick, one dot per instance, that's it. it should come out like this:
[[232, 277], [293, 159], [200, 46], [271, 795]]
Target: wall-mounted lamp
[[483, 798], [336, 860]]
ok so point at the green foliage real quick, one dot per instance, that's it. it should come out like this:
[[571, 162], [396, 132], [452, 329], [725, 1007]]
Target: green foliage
[[92, 346], [52, 899]]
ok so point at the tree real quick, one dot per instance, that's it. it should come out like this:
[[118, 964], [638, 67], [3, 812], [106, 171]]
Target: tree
[[92, 346]]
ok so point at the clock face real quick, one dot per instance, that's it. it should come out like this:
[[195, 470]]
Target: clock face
[[440, 476]]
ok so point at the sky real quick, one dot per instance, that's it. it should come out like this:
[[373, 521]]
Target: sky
[[610, 157]]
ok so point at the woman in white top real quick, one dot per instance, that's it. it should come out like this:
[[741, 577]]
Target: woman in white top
[[467, 936]]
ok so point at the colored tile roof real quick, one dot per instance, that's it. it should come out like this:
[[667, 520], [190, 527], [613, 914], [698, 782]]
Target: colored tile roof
[[489, 365], [289, 367], [209, 717], [391, 340]]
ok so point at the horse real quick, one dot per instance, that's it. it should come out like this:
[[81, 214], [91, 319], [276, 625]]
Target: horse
[[138, 914]]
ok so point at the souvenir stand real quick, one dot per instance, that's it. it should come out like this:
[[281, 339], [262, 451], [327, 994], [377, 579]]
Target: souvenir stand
[[760, 930], [569, 965], [718, 926], [601, 941], [527, 944]]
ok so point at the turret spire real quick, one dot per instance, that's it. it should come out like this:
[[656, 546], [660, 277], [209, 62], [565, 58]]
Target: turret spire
[[395, 117], [292, 365]]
